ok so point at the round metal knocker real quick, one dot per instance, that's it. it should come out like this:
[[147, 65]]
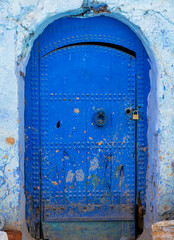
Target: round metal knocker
[[100, 118]]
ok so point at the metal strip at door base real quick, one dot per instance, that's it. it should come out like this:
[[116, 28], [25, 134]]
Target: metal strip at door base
[[88, 212]]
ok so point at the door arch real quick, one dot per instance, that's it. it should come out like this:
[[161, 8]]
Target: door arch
[[86, 155]]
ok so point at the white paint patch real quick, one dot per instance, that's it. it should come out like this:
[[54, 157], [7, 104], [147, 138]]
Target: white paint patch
[[3, 236], [70, 176], [79, 175], [93, 164]]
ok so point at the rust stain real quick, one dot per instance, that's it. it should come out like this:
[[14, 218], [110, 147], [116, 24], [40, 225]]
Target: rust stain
[[5, 156], [145, 148], [10, 140], [100, 9], [76, 110], [100, 143], [160, 157], [57, 151], [165, 207], [124, 140], [17, 120], [90, 138], [22, 74], [55, 183]]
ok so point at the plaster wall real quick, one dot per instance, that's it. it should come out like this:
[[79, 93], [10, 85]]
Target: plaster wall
[[21, 21], [163, 230]]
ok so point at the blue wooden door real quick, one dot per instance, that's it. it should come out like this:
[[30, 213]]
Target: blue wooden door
[[86, 96], [87, 140]]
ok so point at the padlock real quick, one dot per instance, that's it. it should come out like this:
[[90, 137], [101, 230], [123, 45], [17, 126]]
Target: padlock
[[135, 115]]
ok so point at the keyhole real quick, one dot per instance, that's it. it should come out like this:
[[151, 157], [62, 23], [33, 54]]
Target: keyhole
[[58, 124]]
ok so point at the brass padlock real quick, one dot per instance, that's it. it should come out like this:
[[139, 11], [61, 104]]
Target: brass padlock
[[135, 115]]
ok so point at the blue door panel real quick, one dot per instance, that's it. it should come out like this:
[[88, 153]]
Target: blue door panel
[[91, 162], [85, 159], [96, 29]]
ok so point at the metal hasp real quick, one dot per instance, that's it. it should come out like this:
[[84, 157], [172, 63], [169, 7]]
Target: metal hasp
[[86, 157]]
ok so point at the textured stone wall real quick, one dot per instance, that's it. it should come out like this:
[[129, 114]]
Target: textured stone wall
[[163, 230], [21, 21]]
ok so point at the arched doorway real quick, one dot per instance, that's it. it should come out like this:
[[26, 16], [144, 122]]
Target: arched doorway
[[85, 119]]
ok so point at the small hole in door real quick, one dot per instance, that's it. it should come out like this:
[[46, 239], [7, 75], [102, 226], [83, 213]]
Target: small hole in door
[[128, 111], [58, 124]]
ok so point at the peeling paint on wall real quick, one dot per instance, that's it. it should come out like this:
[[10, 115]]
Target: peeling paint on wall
[[10, 140], [163, 230]]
